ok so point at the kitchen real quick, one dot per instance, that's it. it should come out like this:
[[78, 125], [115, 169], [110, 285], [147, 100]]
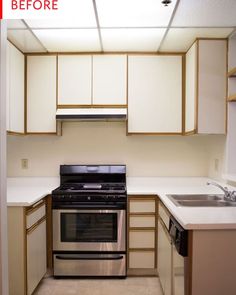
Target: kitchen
[[164, 151]]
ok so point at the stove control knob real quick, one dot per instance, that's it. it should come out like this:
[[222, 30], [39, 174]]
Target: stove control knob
[[89, 198]]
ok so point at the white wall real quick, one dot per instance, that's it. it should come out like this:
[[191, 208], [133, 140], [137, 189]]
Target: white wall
[[106, 142], [216, 150]]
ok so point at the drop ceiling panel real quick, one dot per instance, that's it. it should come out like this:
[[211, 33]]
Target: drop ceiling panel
[[131, 39], [69, 40], [15, 24], [133, 13], [25, 40], [80, 15], [205, 13], [181, 39]]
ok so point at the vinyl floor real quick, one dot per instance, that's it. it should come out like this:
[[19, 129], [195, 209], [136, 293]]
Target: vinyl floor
[[128, 286]]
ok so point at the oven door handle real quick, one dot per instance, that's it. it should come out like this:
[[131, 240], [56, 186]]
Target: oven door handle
[[89, 206], [90, 257]]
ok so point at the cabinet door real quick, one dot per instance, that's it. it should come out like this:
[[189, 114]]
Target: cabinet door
[[41, 94], [15, 92], [164, 260], [212, 86], [74, 80], [109, 79], [155, 94], [36, 256], [8, 87], [191, 89]]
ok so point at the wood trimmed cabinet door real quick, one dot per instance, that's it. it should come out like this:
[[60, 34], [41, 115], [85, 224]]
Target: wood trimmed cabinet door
[[74, 80], [41, 94], [27, 250], [155, 94], [109, 80], [206, 71], [142, 235], [15, 90]]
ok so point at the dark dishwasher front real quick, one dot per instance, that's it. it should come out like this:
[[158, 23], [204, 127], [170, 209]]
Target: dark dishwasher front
[[179, 237]]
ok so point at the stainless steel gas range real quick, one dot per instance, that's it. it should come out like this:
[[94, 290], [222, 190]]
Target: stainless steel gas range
[[89, 221]]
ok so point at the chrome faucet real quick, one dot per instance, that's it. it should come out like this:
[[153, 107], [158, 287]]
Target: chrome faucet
[[228, 195]]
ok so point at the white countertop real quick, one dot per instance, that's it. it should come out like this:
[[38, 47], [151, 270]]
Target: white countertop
[[26, 191]]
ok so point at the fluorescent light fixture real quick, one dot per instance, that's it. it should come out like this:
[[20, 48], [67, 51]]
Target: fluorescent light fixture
[[131, 39], [69, 40], [25, 40], [133, 13], [181, 39]]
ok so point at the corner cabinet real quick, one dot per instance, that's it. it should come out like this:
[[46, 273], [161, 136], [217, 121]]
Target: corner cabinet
[[155, 94], [92, 80], [41, 94], [142, 236], [27, 249], [206, 72], [15, 90]]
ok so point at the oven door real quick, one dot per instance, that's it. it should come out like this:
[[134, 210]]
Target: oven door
[[89, 230]]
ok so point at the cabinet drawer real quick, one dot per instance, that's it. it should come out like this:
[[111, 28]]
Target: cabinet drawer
[[142, 259], [142, 221], [142, 206], [164, 215], [35, 214], [142, 239]]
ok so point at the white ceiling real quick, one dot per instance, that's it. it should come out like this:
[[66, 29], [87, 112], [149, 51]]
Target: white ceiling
[[127, 25]]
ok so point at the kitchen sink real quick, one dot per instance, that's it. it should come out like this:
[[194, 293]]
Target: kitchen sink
[[204, 200]]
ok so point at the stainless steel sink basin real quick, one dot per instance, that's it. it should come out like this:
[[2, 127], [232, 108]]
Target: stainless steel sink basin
[[206, 200]]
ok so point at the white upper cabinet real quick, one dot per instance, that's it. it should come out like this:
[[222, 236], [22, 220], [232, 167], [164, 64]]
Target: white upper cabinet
[[15, 90], [74, 79], [109, 79], [85, 80], [206, 70], [41, 94], [191, 88], [155, 94]]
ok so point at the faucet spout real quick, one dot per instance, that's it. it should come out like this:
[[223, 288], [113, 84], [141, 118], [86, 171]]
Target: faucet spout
[[228, 195]]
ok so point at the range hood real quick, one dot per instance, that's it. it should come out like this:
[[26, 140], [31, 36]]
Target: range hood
[[91, 114]]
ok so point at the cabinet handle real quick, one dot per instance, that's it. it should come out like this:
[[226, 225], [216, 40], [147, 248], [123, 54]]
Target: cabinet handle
[[34, 226]]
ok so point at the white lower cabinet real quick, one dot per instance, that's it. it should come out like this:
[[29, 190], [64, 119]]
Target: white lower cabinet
[[142, 235], [164, 259], [36, 256], [27, 252]]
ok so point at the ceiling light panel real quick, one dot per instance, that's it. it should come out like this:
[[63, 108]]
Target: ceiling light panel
[[25, 40], [134, 13], [81, 15], [180, 40], [80, 40], [132, 39], [205, 13]]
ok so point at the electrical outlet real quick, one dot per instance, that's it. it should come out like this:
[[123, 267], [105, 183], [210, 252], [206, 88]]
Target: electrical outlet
[[216, 165], [24, 163]]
